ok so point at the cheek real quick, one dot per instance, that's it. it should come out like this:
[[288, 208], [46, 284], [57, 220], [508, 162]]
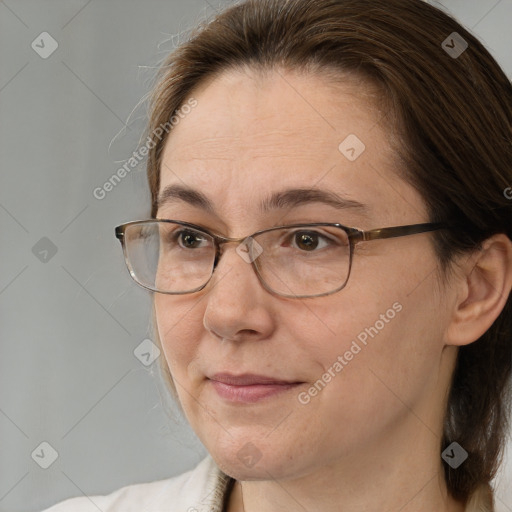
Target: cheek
[[367, 376], [390, 350], [388, 328], [179, 327]]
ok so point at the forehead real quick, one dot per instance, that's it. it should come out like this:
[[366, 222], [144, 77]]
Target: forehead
[[251, 132], [247, 111]]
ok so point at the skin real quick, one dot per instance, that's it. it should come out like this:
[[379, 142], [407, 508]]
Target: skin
[[370, 440]]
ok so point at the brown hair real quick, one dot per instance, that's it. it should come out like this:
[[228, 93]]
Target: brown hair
[[453, 123]]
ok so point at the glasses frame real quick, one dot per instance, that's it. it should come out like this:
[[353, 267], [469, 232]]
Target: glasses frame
[[355, 236]]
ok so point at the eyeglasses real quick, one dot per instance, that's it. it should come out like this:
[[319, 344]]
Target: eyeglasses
[[296, 261]]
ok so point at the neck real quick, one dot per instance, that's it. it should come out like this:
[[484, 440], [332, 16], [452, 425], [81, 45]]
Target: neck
[[247, 498], [396, 476]]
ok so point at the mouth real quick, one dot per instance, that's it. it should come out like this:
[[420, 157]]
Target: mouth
[[249, 388]]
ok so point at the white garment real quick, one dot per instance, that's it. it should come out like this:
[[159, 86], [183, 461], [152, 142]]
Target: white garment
[[202, 489]]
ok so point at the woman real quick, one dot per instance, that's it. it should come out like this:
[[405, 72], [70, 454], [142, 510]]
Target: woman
[[324, 362]]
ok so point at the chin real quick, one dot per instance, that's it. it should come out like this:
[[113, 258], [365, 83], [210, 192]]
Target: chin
[[256, 458], [261, 470]]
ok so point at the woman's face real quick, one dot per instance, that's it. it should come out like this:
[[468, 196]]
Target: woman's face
[[370, 360]]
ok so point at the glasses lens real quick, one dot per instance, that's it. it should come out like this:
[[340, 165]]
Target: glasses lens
[[304, 261], [168, 257], [296, 262]]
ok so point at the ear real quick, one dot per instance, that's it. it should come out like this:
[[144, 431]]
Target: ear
[[483, 288]]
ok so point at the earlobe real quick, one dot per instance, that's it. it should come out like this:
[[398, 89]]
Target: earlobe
[[484, 288]]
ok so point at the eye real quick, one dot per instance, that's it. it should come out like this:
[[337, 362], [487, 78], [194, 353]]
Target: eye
[[310, 240], [189, 239]]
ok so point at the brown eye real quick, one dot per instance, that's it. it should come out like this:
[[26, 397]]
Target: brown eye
[[189, 239], [306, 241]]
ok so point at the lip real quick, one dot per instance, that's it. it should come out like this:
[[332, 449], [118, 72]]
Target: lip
[[249, 387]]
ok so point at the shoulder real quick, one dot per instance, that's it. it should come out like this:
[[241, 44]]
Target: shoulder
[[197, 490]]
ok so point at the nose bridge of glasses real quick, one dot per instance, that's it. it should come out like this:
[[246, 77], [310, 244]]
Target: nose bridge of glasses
[[247, 254], [223, 240]]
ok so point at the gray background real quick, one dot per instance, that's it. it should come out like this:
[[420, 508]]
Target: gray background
[[70, 321]]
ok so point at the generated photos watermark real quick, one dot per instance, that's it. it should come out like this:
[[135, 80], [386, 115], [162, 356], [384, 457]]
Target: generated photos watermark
[[305, 397]]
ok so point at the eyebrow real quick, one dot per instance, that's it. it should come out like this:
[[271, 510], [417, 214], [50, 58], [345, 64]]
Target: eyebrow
[[288, 198]]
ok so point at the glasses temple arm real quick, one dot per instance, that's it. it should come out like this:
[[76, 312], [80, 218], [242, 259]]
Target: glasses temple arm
[[396, 231]]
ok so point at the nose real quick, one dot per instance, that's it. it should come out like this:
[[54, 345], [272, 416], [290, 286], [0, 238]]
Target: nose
[[237, 305]]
